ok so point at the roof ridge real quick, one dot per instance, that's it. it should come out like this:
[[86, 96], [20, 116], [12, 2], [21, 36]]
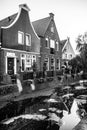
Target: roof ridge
[[8, 17], [40, 19]]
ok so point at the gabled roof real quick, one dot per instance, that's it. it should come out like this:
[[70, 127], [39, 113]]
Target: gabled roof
[[41, 25], [63, 42], [7, 21]]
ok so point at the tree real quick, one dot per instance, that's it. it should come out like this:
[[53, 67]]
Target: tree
[[82, 48], [76, 64]]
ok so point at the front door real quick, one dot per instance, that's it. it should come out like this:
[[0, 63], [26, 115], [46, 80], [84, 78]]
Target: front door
[[10, 66]]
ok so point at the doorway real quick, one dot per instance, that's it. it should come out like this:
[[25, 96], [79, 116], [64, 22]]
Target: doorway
[[10, 65]]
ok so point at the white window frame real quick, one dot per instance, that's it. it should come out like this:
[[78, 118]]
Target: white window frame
[[20, 38], [28, 43], [31, 59], [47, 40], [52, 43], [57, 43], [52, 28]]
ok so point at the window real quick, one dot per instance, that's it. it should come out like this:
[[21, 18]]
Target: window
[[29, 61], [47, 62], [52, 43], [52, 64], [47, 42], [57, 45], [22, 62], [20, 37], [65, 56], [58, 64], [33, 59], [52, 28], [28, 39]]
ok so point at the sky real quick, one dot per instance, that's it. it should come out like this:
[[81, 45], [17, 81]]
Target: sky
[[70, 15]]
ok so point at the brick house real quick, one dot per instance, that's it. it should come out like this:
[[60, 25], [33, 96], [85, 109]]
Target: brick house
[[20, 45], [50, 50]]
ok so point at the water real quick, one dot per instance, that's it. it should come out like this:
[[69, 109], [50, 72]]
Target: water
[[72, 119]]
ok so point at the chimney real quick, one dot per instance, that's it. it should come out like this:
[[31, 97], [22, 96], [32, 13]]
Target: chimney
[[51, 15], [24, 6]]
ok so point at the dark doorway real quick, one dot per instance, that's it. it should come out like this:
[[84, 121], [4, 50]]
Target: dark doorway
[[10, 66]]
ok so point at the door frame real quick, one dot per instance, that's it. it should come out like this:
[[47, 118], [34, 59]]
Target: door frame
[[11, 55]]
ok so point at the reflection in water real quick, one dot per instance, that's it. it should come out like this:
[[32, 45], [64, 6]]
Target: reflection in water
[[70, 120]]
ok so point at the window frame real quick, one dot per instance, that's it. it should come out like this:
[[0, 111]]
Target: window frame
[[47, 62], [57, 44], [51, 43], [47, 42], [52, 28], [29, 39], [22, 34], [52, 63], [22, 57]]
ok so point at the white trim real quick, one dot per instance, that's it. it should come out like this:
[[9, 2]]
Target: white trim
[[15, 65], [20, 32], [6, 64], [15, 20], [48, 43], [19, 51], [29, 44], [64, 46], [22, 58], [18, 15], [33, 28], [24, 6], [57, 48]]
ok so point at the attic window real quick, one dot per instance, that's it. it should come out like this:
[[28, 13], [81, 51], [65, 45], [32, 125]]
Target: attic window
[[52, 28]]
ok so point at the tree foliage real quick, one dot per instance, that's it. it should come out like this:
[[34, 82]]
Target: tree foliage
[[82, 48], [76, 64]]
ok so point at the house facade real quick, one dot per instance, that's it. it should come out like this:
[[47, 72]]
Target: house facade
[[50, 49], [20, 45], [67, 50]]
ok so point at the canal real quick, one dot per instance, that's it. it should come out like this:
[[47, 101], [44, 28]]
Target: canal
[[62, 110], [72, 119]]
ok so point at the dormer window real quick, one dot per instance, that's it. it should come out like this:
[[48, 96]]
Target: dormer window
[[28, 39], [47, 42], [20, 37]]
